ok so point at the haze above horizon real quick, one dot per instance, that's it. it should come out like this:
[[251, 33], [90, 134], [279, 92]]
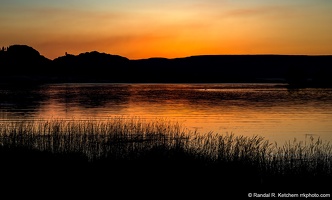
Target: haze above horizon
[[170, 29]]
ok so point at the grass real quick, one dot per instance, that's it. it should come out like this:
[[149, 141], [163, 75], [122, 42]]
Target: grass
[[161, 154]]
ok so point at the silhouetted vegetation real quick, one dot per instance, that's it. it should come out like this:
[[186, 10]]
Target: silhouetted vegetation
[[159, 155], [21, 63]]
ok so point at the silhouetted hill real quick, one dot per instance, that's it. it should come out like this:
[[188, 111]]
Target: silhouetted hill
[[21, 61], [89, 66], [298, 70]]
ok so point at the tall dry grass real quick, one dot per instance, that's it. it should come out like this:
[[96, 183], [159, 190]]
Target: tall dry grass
[[133, 139]]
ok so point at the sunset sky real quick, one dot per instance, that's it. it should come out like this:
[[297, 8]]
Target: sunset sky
[[168, 28]]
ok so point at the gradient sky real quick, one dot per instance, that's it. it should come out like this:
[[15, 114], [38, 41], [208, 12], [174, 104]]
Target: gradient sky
[[168, 28]]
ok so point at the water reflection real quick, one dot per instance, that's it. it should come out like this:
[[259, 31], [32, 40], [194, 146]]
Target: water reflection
[[20, 101], [88, 96], [270, 110]]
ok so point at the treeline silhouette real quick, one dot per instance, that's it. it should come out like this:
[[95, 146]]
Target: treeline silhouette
[[24, 64]]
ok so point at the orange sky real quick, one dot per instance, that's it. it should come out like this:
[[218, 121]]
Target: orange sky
[[146, 28]]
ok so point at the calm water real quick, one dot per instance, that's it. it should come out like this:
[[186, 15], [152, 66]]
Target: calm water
[[269, 110]]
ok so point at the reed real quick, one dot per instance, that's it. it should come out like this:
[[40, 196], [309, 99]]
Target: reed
[[94, 139], [135, 140]]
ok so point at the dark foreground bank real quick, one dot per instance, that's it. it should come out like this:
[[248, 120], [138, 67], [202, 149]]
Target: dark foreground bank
[[154, 160]]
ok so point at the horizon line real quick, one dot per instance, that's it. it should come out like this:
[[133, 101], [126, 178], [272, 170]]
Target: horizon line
[[171, 58]]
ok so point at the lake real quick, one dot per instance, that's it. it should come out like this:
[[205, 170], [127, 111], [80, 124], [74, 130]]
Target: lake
[[270, 110]]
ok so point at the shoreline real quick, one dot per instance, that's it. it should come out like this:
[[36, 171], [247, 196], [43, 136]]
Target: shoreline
[[159, 160]]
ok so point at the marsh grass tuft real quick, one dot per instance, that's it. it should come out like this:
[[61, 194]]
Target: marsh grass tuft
[[125, 146]]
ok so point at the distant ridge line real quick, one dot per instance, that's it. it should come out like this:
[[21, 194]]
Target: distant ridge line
[[22, 63]]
